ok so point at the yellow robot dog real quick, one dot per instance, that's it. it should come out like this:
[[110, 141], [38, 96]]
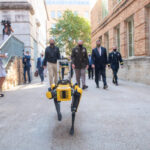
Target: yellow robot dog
[[65, 91]]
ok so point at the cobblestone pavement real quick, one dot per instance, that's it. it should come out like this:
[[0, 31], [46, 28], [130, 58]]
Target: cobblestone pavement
[[113, 119]]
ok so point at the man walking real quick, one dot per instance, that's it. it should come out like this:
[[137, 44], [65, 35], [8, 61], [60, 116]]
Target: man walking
[[80, 63], [52, 54], [27, 65], [40, 67], [99, 62], [90, 69], [114, 59]]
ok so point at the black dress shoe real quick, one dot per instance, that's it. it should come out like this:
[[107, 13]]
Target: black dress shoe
[[97, 86], [105, 86], [84, 87], [113, 81], [1, 95]]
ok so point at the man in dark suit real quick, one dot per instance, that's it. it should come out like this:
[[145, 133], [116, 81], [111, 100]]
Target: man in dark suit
[[27, 66], [99, 62], [40, 67]]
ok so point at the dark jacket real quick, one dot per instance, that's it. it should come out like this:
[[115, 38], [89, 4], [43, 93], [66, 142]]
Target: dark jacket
[[114, 59], [40, 63], [97, 60], [79, 57], [52, 54], [26, 61]]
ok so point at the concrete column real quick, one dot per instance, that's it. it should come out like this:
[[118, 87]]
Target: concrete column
[[140, 33], [123, 39]]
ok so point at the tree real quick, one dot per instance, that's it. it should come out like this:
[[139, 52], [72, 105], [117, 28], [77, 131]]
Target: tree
[[69, 29]]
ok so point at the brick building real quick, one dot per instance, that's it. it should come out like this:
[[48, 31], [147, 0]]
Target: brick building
[[125, 23]]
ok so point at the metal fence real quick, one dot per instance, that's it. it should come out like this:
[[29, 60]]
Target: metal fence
[[12, 46]]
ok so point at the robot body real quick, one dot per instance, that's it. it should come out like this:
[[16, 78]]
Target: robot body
[[65, 91]]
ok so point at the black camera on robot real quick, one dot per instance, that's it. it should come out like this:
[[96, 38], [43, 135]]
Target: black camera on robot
[[4, 22]]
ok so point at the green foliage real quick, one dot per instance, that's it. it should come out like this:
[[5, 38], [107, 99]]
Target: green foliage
[[69, 29]]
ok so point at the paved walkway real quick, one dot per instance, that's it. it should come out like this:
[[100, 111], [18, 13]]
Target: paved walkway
[[115, 119]]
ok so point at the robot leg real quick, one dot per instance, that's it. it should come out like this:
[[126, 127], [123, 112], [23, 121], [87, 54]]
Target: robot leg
[[74, 107], [57, 105]]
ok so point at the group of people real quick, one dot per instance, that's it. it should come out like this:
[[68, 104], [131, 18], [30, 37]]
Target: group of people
[[81, 62], [27, 67]]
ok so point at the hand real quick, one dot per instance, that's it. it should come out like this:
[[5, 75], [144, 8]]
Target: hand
[[73, 66], [87, 67], [121, 66], [44, 67], [93, 66]]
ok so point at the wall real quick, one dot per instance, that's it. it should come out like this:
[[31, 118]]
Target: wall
[[135, 66], [29, 22]]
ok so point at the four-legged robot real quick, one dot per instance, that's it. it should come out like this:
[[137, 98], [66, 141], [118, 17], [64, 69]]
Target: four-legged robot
[[65, 91]]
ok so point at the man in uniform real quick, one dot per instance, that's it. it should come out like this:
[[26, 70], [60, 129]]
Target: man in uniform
[[80, 63], [114, 59]]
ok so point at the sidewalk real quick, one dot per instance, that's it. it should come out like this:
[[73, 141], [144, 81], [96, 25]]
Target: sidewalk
[[113, 119]]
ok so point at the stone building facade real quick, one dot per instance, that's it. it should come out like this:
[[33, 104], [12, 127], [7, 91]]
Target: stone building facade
[[29, 22], [125, 23]]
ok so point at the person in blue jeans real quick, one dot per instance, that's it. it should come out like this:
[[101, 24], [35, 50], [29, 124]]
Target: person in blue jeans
[[27, 65], [40, 67]]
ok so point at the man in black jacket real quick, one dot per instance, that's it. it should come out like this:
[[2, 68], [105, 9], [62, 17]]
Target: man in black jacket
[[80, 63], [99, 60], [27, 66], [114, 59], [52, 54]]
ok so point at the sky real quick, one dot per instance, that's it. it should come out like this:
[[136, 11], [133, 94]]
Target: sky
[[92, 2]]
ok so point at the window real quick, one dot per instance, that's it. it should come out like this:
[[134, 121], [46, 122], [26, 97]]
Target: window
[[59, 14], [130, 37], [86, 14], [117, 37], [106, 41], [104, 8], [53, 14], [68, 2]]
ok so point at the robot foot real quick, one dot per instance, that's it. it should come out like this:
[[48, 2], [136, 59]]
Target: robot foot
[[59, 117], [72, 131]]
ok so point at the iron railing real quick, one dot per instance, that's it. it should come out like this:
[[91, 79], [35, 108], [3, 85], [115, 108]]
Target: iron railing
[[12, 46]]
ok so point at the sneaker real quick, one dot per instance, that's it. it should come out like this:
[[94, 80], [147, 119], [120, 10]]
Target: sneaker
[[84, 87]]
